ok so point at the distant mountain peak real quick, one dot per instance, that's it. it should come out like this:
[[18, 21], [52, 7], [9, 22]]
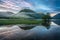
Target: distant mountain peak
[[57, 16], [6, 14], [27, 10]]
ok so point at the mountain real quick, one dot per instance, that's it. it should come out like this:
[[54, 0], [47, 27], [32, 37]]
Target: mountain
[[36, 15], [25, 13], [12, 15], [29, 15], [57, 16], [5, 14], [21, 15]]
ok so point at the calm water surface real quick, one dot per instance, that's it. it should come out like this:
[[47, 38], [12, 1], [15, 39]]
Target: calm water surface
[[39, 32]]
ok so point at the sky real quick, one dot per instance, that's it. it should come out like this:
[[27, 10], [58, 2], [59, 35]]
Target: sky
[[36, 5]]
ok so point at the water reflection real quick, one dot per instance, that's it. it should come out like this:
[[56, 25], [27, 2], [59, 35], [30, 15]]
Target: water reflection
[[37, 33], [57, 21], [27, 26], [30, 32], [46, 23]]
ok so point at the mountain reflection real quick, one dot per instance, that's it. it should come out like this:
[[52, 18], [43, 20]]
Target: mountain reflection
[[46, 23], [57, 21], [47, 30], [27, 27], [37, 33]]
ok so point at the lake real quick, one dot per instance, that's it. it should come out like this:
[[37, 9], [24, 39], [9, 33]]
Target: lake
[[37, 32]]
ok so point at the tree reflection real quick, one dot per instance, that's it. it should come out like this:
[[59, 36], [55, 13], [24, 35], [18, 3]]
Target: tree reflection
[[46, 20]]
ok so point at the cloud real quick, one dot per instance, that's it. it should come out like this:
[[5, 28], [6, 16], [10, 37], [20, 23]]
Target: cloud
[[3, 9], [9, 4], [44, 8], [15, 5], [25, 4]]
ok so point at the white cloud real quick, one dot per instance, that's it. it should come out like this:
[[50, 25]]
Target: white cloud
[[3, 9], [17, 5]]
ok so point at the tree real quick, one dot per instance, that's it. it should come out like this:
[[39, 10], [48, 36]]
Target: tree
[[46, 20]]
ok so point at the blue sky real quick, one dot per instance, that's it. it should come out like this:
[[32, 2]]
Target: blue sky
[[46, 5], [36, 5]]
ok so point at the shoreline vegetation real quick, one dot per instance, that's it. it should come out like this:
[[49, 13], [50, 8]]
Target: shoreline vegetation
[[19, 21], [34, 18]]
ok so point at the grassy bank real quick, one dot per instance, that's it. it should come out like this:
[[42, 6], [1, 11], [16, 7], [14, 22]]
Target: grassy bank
[[18, 21]]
